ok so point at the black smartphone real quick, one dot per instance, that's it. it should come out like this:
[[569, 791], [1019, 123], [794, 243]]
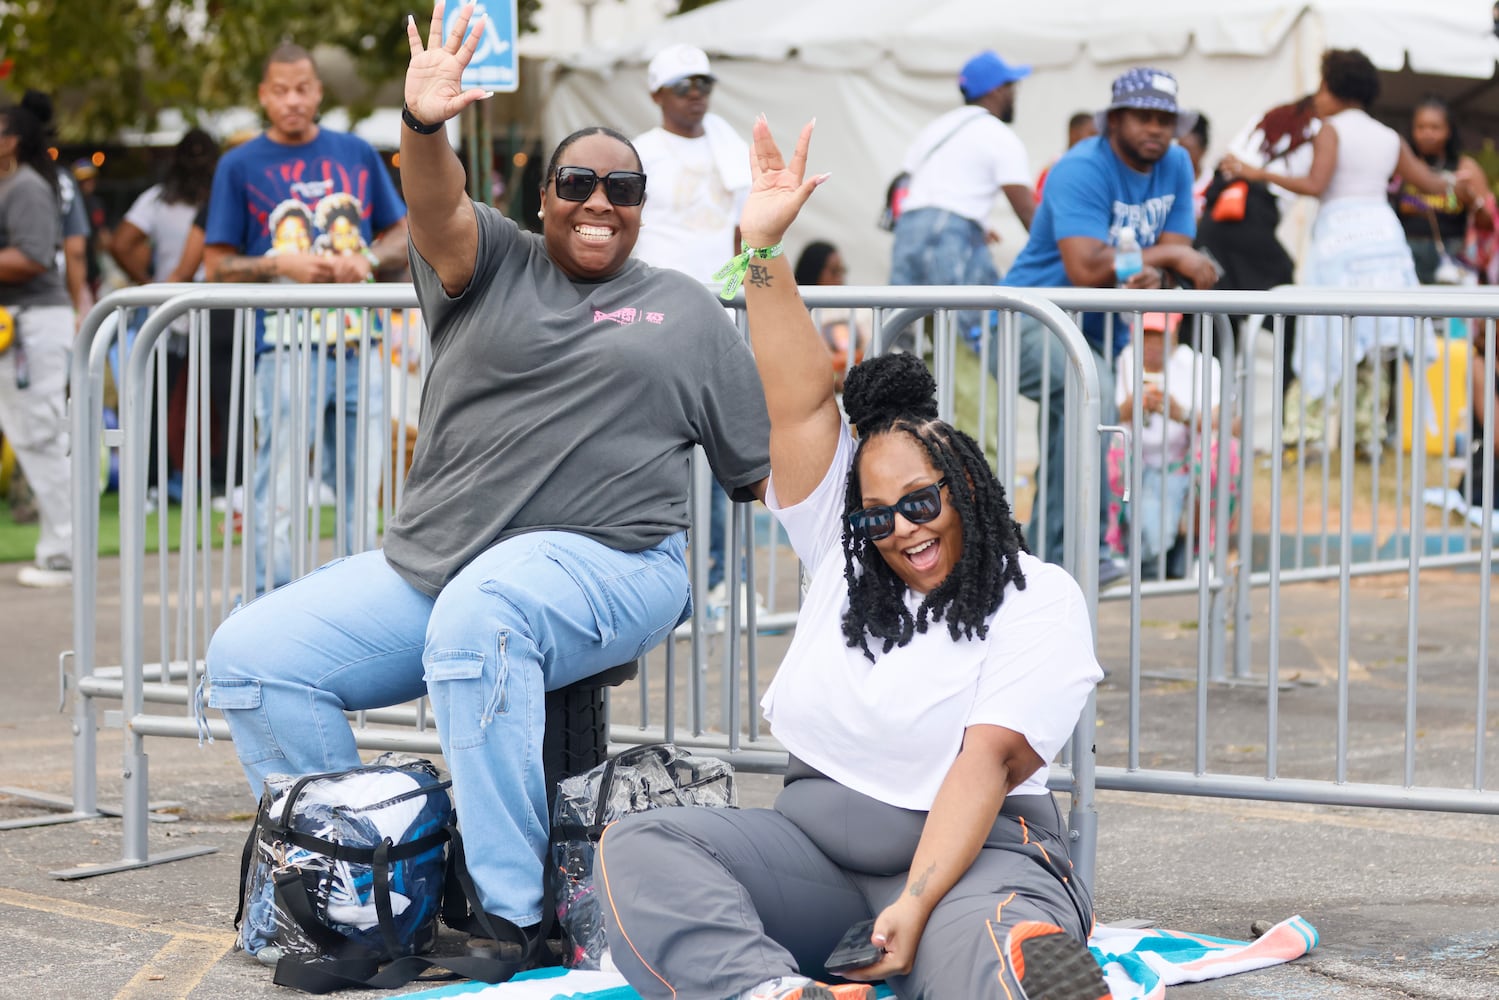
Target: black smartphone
[[855, 950]]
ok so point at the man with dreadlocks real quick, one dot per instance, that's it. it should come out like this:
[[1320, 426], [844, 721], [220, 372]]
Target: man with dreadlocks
[[937, 666]]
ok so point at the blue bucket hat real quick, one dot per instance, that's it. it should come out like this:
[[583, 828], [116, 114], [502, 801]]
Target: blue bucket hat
[[1147, 89], [987, 71]]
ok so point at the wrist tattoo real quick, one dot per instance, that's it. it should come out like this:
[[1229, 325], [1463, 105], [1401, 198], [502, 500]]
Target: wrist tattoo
[[246, 269], [759, 275], [919, 885]]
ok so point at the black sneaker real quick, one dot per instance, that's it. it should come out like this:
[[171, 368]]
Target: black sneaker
[[1046, 964]]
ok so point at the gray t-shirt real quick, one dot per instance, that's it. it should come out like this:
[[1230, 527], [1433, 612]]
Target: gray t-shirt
[[30, 222], [552, 404]]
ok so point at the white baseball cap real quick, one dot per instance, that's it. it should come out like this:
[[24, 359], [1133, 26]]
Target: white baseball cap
[[677, 62]]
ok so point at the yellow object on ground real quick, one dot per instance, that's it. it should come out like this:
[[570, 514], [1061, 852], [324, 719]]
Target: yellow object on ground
[[1445, 408]]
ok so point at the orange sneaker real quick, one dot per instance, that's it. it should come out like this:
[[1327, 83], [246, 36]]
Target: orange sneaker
[[1047, 964]]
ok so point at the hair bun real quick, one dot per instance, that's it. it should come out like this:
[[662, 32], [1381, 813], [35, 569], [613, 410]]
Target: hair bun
[[40, 106], [887, 387]]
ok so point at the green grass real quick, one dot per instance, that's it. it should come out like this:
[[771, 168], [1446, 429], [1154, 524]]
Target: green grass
[[18, 541]]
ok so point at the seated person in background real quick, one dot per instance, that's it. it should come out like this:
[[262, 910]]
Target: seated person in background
[[936, 668], [822, 264], [1167, 398]]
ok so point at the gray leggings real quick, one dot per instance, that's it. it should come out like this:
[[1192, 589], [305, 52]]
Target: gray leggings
[[701, 904]]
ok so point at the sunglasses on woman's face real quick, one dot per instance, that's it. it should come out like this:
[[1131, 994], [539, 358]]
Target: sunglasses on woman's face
[[918, 507], [683, 87], [622, 187]]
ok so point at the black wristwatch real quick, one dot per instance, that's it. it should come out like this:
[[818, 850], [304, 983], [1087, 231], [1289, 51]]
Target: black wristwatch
[[416, 124]]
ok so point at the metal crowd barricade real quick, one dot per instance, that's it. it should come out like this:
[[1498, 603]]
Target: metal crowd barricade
[[720, 667], [1413, 549], [197, 587]]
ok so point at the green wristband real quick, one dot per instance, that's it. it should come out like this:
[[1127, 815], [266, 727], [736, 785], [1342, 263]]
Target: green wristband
[[732, 273]]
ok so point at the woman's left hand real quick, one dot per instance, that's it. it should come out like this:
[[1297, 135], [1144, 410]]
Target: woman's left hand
[[778, 192], [898, 930]]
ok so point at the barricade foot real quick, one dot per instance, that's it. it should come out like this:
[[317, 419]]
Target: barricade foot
[[71, 815], [128, 864], [157, 812]]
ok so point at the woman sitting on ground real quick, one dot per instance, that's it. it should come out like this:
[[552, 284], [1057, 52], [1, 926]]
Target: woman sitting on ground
[[937, 666]]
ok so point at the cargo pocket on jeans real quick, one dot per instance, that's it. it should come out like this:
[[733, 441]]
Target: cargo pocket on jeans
[[471, 705], [249, 725], [593, 589]]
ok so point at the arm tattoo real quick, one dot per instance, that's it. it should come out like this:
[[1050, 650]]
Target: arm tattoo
[[919, 886], [246, 269], [759, 275]]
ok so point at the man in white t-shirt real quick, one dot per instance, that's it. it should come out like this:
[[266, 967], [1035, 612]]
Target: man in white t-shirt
[[958, 166], [697, 177], [696, 167]]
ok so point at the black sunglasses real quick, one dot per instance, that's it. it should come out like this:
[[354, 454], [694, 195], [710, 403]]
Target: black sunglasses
[[918, 507], [684, 86], [621, 187]]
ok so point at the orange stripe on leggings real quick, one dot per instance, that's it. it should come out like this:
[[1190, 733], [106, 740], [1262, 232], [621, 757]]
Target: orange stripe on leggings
[[999, 949], [1026, 830], [608, 891]]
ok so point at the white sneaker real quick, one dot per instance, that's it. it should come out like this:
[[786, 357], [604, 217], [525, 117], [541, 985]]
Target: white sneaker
[[58, 572]]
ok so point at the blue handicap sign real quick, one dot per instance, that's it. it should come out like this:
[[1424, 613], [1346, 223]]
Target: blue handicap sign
[[494, 65]]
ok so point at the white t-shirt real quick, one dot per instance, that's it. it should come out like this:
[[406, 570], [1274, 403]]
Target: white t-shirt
[[166, 226], [964, 174], [1367, 154], [891, 729], [1164, 441], [688, 220]]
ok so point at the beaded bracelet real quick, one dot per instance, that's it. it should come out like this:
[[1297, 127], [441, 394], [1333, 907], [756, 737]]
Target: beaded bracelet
[[732, 273]]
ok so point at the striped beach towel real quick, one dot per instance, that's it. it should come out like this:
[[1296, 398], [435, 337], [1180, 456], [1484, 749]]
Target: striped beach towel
[[1138, 964]]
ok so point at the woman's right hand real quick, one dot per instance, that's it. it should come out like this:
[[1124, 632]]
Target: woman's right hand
[[778, 192], [434, 79]]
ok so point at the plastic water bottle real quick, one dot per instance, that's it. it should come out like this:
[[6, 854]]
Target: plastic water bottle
[[1128, 260]]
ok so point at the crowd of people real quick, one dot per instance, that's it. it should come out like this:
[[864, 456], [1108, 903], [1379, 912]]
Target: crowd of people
[[541, 536]]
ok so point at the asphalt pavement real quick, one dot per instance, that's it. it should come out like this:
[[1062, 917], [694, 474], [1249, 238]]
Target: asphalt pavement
[[1403, 901]]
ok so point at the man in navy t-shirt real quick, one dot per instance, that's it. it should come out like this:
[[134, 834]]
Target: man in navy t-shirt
[[302, 203], [1130, 175]]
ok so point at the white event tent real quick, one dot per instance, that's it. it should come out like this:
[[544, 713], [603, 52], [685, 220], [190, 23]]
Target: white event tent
[[874, 71]]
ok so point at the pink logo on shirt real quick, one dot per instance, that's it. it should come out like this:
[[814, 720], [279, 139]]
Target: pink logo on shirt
[[628, 315], [624, 317]]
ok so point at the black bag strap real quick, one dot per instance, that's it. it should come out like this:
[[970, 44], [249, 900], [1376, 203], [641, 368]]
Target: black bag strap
[[463, 911]]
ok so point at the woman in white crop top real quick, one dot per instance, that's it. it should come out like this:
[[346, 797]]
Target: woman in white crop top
[[1357, 242], [937, 666]]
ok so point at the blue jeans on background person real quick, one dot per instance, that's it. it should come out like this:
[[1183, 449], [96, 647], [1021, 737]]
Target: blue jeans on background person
[[935, 247], [276, 385], [1036, 344], [718, 526], [532, 613], [1159, 506]]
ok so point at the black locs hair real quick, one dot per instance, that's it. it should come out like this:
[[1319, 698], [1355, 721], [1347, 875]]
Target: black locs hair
[[895, 394]]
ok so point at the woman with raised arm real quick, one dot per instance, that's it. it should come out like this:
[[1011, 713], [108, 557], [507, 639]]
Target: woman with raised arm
[[1357, 243], [541, 535], [936, 667]]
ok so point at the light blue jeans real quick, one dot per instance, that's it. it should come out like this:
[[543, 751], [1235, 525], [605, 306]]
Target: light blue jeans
[[280, 443], [531, 614], [1159, 507], [1037, 345], [936, 247]]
